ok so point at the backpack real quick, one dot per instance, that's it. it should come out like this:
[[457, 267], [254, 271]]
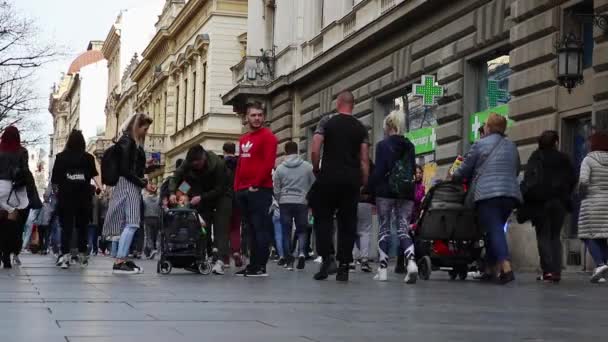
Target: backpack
[[110, 166], [401, 178]]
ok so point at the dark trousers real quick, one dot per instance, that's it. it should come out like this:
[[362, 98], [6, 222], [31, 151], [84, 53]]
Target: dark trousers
[[255, 208], [493, 214], [9, 237], [342, 201], [235, 230], [294, 213], [43, 234], [74, 220], [217, 216], [21, 220], [151, 229], [93, 238], [548, 224]]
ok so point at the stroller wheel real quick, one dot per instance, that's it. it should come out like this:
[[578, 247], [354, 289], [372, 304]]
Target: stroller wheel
[[165, 267], [453, 274], [425, 268], [204, 268]]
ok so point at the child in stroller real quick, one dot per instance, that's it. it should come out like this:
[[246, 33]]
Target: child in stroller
[[183, 240], [448, 237]]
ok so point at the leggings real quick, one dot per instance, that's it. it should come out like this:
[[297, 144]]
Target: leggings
[[402, 209]]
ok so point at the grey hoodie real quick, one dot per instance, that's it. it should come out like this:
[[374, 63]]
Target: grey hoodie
[[292, 180]]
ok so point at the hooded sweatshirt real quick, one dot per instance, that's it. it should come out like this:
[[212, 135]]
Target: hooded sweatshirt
[[292, 180], [388, 152]]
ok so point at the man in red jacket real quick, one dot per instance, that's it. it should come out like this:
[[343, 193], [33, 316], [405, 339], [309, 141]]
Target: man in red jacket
[[253, 187]]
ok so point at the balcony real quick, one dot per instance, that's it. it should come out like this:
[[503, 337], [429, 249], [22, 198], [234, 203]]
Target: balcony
[[386, 5]]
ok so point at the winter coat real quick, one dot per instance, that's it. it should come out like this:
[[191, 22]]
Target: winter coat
[[499, 177], [593, 184], [388, 152], [292, 180], [210, 183], [558, 179]]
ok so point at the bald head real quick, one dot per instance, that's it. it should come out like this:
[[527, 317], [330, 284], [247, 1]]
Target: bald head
[[345, 102]]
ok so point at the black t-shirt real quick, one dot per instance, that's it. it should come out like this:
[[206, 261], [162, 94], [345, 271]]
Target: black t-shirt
[[341, 163], [72, 173]]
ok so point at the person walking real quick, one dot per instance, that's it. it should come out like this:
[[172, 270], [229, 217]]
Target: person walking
[[123, 217], [13, 193], [492, 166], [345, 169], [292, 181], [365, 212], [395, 160], [152, 215], [593, 217], [203, 178], [253, 185], [549, 180], [231, 160], [73, 171]]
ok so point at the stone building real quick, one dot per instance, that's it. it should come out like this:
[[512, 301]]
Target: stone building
[[487, 55], [183, 72], [77, 101]]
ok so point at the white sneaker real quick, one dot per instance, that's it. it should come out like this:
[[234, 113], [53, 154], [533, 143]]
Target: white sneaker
[[382, 274], [64, 262], [598, 273], [318, 260], [412, 272], [218, 268], [16, 260], [601, 281]]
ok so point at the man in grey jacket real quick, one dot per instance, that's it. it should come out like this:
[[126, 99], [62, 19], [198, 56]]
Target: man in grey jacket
[[151, 223], [292, 181]]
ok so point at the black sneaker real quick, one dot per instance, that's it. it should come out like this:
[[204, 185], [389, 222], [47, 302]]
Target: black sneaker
[[301, 263], [124, 268], [258, 273], [332, 267], [323, 272], [343, 272], [244, 271], [289, 263], [282, 262], [132, 265]]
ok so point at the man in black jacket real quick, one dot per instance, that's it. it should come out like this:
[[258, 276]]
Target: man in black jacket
[[204, 175], [549, 181]]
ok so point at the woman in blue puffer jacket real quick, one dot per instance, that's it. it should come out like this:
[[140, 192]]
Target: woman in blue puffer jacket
[[493, 166]]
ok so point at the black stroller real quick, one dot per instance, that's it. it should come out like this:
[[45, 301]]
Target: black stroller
[[448, 237], [182, 242]]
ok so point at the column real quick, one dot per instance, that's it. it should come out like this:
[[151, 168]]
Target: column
[[189, 97], [171, 109], [179, 101], [198, 98]]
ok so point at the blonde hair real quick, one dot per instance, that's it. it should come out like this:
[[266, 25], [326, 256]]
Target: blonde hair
[[394, 122], [497, 123], [135, 121]]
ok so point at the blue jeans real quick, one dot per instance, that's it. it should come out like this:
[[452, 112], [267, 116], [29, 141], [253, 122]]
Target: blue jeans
[[492, 214], [278, 234], [402, 210], [126, 238], [255, 208], [298, 214], [55, 235], [598, 248], [93, 238]]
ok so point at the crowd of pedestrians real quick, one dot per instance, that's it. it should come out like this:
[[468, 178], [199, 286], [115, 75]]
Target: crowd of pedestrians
[[253, 209]]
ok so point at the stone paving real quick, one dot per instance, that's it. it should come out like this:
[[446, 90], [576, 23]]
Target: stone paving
[[39, 302]]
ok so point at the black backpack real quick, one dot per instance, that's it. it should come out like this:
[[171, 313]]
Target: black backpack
[[401, 177], [110, 166], [534, 185]]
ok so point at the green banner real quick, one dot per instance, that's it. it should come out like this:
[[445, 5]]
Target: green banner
[[423, 139], [479, 119]]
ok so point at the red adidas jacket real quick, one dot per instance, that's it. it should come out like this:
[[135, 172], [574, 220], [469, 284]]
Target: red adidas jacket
[[258, 152]]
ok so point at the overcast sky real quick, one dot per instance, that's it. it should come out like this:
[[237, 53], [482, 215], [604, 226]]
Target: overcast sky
[[70, 24]]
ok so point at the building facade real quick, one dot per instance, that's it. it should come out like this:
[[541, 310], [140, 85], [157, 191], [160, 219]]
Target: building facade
[[487, 55], [182, 74]]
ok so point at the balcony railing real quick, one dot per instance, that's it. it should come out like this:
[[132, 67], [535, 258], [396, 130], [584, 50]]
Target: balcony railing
[[386, 5], [350, 25], [317, 48]]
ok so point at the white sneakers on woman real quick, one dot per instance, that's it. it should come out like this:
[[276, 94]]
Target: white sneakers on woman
[[410, 278], [382, 274], [600, 272]]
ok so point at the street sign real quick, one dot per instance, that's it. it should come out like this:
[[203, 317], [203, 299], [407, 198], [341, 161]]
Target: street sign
[[423, 139], [478, 119], [428, 90]]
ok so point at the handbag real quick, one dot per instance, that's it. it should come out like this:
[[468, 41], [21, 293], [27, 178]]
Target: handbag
[[469, 200]]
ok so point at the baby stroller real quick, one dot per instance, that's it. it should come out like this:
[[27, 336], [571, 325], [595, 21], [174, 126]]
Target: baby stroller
[[182, 242], [447, 234]]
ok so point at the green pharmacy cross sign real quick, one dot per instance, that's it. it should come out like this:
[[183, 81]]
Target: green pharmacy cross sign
[[428, 90], [479, 119], [495, 94]]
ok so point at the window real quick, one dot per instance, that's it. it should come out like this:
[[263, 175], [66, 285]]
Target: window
[[165, 111], [185, 102], [194, 96], [177, 95], [204, 88]]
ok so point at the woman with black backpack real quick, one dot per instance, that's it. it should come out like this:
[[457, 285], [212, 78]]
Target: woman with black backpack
[[124, 214], [13, 193], [393, 183], [73, 171]]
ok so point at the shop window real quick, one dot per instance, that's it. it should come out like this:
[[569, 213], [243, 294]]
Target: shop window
[[492, 92]]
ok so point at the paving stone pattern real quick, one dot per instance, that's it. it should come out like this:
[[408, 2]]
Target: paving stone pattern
[[40, 302]]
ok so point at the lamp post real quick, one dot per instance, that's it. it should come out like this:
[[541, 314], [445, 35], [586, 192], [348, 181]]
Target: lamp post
[[570, 61]]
